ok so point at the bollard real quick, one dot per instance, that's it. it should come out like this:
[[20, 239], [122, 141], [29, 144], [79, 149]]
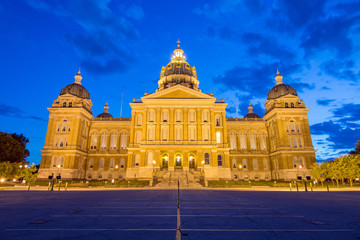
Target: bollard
[[52, 184], [305, 187], [297, 187], [66, 185], [290, 187], [327, 185], [311, 186], [226, 184], [59, 185], [49, 186]]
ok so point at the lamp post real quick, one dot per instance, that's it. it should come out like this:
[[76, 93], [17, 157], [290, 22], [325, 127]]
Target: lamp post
[[154, 166], [203, 163]]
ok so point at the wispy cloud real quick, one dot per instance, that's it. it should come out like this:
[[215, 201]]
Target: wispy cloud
[[12, 111]]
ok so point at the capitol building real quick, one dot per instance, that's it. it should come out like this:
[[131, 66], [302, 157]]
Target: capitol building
[[178, 128]]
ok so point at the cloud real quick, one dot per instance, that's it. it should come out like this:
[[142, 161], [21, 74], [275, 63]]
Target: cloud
[[12, 111], [341, 69], [348, 112], [324, 102], [339, 137], [105, 35]]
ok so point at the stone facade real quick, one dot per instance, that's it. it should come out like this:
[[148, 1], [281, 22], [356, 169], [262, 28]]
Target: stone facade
[[177, 127]]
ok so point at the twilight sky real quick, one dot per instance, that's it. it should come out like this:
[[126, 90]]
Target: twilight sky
[[235, 45]]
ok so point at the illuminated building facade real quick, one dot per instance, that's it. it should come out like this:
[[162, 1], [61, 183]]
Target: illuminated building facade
[[177, 128]]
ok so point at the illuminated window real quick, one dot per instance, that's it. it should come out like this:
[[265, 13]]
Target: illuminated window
[[207, 158], [93, 142], [252, 141], [232, 141], [113, 141], [123, 141], [243, 141], [218, 137], [103, 141]]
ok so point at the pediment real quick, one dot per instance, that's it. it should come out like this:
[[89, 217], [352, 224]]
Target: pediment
[[178, 92]]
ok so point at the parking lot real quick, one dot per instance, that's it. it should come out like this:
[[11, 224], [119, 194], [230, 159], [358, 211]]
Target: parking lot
[[205, 214]]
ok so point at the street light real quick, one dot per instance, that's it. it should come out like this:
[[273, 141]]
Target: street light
[[153, 166], [2, 180], [116, 166], [203, 163], [26, 166]]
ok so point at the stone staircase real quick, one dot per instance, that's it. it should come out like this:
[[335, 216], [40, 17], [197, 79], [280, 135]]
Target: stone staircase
[[169, 179]]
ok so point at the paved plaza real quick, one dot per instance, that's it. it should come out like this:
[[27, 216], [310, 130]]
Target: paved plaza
[[205, 214]]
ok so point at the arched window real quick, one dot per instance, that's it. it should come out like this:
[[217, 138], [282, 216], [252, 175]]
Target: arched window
[[192, 117], [63, 129], [91, 163], [301, 162], [286, 105], [292, 126], [70, 104], [192, 133], [252, 141], [164, 133], [295, 163], [206, 132], [103, 141], [150, 158], [61, 142], [123, 143], [139, 120], [164, 115], [93, 141], [113, 141], [64, 104], [219, 159], [234, 163], [262, 142], [243, 144], [101, 163], [217, 120], [207, 158], [292, 105], [54, 161]]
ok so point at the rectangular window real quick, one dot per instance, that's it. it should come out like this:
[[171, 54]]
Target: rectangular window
[[103, 141], [265, 164], [243, 142], [123, 141], [113, 142], [263, 142], [218, 137], [253, 142], [93, 142]]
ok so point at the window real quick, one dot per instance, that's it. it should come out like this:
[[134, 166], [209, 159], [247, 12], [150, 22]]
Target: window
[[101, 163], [245, 163], [178, 115], [64, 104], [122, 163], [54, 161], [164, 133], [219, 158], [262, 142], [63, 129], [301, 162], [300, 142], [292, 105], [217, 120], [138, 137], [292, 126], [112, 162], [151, 133], [66, 141], [265, 164], [286, 105], [252, 142], [192, 133], [165, 115], [207, 158], [58, 127], [205, 115], [91, 163], [234, 163], [62, 161], [70, 104], [192, 115], [178, 133], [137, 160], [113, 141], [255, 164], [56, 142], [139, 120], [150, 159], [103, 141], [93, 142], [61, 142], [294, 142], [80, 163], [218, 137], [295, 162], [232, 141], [123, 141], [151, 115], [69, 127], [243, 141], [206, 132]]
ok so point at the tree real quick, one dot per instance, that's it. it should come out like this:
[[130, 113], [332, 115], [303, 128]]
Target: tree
[[317, 172], [352, 167], [9, 170], [13, 148], [357, 148], [29, 174]]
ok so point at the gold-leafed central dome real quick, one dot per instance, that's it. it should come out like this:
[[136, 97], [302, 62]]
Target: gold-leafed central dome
[[178, 71]]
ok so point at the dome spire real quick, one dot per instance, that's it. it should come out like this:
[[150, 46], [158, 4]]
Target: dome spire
[[78, 78], [250, 108], [106, 108], [178, 54], [278, 78]]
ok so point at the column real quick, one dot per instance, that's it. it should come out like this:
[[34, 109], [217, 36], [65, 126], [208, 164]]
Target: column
[[214, 158], [185, 162], [142, 157], [185, 126], [199, 120], [212, 125], [158, 120], [171, 130], [144, 124], [132, 128], [225, 128]]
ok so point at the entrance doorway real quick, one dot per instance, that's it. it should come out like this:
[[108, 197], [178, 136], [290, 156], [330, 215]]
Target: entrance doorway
[[165, 161], [191, 161], [178, 161]]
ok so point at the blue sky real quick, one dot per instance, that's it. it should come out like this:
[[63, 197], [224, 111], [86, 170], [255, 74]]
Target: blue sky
[[235, 46]]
